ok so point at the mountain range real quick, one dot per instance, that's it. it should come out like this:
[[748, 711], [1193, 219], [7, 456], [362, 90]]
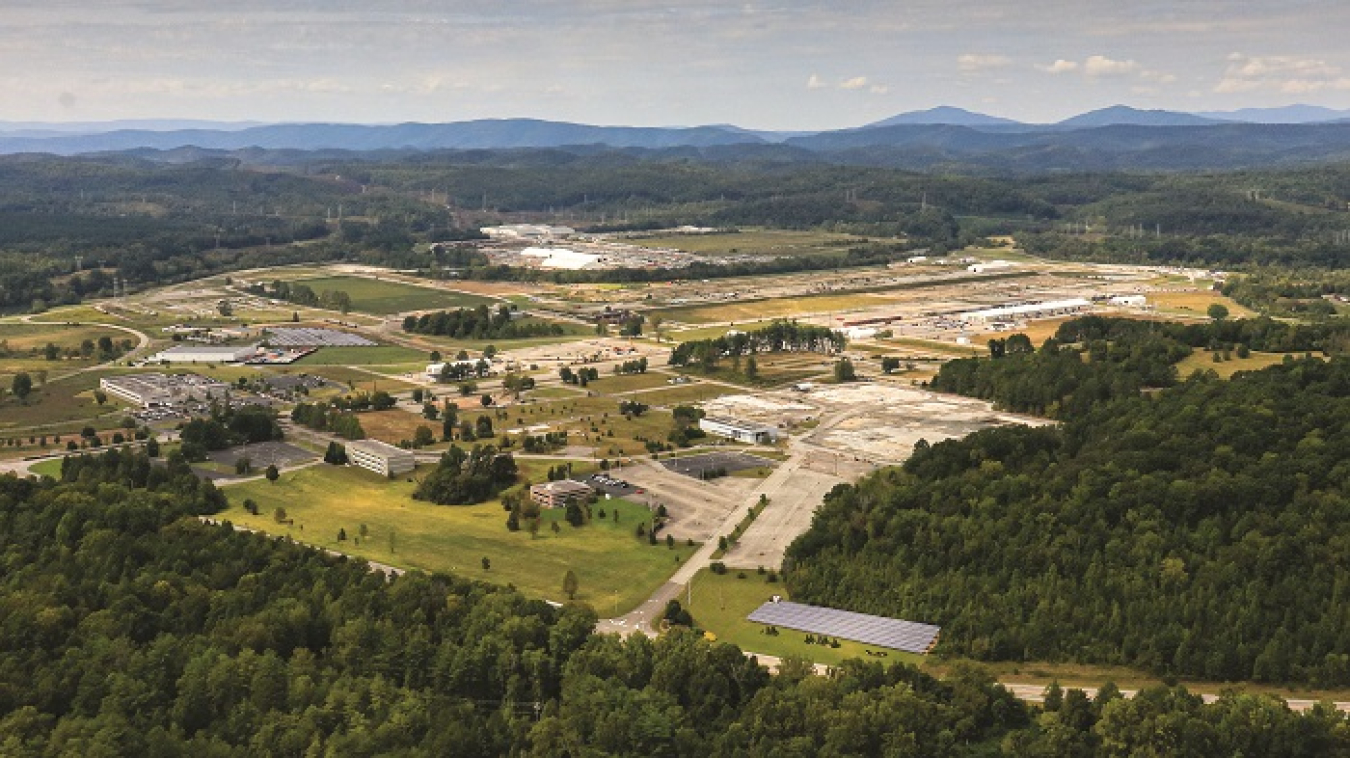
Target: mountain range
[[944, 137]]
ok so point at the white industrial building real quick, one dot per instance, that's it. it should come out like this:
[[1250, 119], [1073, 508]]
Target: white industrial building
[[148, 390], [560, 257], [1130, 301], [999, 265], [539, 232], [741, 431], [205, 354], [382, 458], [1027, 311]]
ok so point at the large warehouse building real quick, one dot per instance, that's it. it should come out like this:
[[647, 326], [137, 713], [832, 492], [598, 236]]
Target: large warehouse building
[[158, 389], [1028, 310], [205, 354], [382, 458]]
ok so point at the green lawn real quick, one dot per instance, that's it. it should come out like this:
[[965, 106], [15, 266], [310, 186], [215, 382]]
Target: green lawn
[[385, 297], [721, 603], [50, 468], [613, 566]]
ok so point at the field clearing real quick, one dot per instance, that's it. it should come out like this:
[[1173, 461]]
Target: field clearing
[[554, 393], [690, 335], [395, 425], [1203, 360], [1038, 331], [385, 297], [362, 381], [933, 347], [721, 603], [36, 336], [611, 384], [779, 242], [749, 313], [1195, 303], [62, 406], [378, 355], [614, 568], [686, 394]]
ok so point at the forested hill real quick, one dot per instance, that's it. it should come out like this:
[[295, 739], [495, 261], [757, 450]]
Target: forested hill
[[1200, 530], [130, 628]]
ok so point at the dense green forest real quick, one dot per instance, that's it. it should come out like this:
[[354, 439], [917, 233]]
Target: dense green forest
[[1199, 529], [479, 324], [147, 222], [128, 627]]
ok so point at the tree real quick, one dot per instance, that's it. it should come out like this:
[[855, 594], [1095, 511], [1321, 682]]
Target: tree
[[336, 454], [342, 535], [417, 394], [1217, 311], [100, 397], [152, 447], [430, 411], [279, 515], [435, 356], [751, 368], [656, 320], [486, 400], [423, 436], [843, 370], [487, 563], [22, 385], [272, 473], [890, 364], [243, 465], [569, 584]]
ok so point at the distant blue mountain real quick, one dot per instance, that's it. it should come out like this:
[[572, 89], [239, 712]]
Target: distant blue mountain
[[464, 135], [1123, 115], [944, 114], [1288, 114]]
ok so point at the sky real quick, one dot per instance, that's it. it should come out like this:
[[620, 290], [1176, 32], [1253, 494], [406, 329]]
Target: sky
[[787, 65]]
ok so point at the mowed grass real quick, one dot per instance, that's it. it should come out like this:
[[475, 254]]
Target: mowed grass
[[781, 242], [722, 602], [61, 406], [1203, 360], [614, 568], [360, 381], [384, 297]]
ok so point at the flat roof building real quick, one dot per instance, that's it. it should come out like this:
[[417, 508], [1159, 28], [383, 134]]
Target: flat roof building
[[380, 457], [1028, 310], [160, 389], [205, 354], [741, 431], [555, 494]]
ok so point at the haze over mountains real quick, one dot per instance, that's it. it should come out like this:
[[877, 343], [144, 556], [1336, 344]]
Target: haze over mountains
[[1118, 137]]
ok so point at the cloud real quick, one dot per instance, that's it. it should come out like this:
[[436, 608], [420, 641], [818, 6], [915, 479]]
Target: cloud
[[1060, 66], [972, 62], [879, 89], [1279, 73], [1100, 65], [857, 82], [815, 82]]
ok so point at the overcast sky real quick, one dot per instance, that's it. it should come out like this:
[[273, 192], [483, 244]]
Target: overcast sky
[[773, 65]]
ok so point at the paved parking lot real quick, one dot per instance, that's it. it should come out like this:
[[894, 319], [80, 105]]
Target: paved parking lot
[[699, 466], [262, 454]]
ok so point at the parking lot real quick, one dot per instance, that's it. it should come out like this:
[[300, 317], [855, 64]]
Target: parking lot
[[260, 454], [706, 464], [608, 485]]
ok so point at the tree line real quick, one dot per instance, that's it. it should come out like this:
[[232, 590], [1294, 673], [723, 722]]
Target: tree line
[[1195, 530], [192, 638], [480, 323], [780, 335]]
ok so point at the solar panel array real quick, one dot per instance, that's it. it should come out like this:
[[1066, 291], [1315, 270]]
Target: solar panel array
[[301, 336], [910, 636]]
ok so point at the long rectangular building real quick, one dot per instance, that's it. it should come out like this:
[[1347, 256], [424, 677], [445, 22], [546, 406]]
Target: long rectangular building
[[380, 457], [741, 431], [555, 494], [205, 354]]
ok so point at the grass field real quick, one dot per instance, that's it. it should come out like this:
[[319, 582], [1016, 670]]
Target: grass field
[[614, 568], [362, 381], [362, 356], [721, 603], [385, 297], [1203, 360], [1195, 303], [780, 242], [61, 406]]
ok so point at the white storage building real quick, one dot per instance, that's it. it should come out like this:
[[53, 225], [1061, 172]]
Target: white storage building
[[741, 431], [205, 354]]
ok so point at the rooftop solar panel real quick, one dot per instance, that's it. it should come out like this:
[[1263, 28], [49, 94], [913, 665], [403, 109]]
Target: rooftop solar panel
[[896, 634]]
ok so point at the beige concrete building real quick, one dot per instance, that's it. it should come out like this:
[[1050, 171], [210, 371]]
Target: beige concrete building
[[384, 459]]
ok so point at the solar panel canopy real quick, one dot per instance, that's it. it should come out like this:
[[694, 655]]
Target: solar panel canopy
[[909, 636]]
